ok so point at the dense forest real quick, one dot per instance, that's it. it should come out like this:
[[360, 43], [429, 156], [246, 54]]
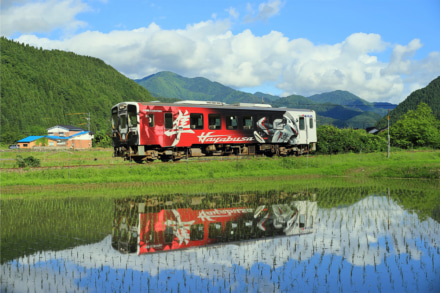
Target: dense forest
[[429, 95], [42, 88]]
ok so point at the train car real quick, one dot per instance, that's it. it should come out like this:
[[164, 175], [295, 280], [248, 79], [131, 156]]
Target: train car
[[138, 229], [171, 131]]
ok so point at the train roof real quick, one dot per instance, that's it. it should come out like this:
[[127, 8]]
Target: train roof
[[219, 105]]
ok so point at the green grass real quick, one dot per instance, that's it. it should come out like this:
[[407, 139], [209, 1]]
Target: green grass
[[62, 158], [115, 177]]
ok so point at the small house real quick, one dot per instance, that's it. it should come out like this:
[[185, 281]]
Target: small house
[[65, 136], [34, 141]]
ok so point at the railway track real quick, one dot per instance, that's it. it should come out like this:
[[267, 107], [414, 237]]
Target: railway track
[[182, 161]]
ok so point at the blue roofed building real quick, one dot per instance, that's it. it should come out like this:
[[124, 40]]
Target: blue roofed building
[[62, 136]]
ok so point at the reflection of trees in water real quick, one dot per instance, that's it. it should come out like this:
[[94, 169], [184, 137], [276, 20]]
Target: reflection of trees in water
[[424, 202], [436, 213]]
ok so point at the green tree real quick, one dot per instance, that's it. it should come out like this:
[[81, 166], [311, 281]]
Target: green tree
[[40, 87], [417, 128], [101, 139]]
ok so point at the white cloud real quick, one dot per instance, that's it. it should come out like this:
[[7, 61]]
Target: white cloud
[[233, 12], [266, 10], [400, 61], [40, 16], [244, 60]]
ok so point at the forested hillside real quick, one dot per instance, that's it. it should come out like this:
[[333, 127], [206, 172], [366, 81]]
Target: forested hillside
[[339, 108], [170, 85], [429, 95], [41, 88]]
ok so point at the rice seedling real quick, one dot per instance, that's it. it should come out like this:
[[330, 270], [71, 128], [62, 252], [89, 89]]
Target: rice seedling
[[355, 245]]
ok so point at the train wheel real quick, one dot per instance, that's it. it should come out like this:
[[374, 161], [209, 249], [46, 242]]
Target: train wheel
[[165, 159]]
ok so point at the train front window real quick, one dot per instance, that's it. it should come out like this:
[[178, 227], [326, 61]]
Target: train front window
[[123, 121], [115, 119], [311, 122], [231, 122], [196, 121], [214, 121]]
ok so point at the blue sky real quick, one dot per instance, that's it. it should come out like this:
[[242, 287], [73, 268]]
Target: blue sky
[[380, 50]]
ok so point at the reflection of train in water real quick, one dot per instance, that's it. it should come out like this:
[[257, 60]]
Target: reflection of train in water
[[151, 131], [147, 225]]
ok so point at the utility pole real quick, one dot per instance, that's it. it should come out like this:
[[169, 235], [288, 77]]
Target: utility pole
[[88, 122], [87, 118]]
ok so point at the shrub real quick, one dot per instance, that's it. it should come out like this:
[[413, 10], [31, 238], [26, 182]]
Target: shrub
[[27, 162], [334, 140]]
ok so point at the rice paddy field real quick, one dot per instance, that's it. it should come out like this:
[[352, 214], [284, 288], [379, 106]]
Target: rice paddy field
[[376, 228]]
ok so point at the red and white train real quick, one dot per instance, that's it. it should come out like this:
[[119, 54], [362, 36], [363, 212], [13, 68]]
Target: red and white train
[[171, 131], [139, 228]]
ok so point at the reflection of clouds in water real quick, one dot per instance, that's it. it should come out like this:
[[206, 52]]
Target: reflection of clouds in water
[[359, 235]]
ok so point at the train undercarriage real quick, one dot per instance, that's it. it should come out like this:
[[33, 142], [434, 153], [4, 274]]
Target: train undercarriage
[[141, 154]]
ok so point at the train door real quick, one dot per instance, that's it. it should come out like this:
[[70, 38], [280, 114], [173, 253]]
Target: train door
[[168, 130], [311, 129], [302, 129]]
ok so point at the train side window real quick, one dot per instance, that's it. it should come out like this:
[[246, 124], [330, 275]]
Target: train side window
[[231, 122], [302, 221], [231, 230], [151, 120], [132, 118], [311, 122], [196, 121], [215, 230], [197, 232], [168, 120], [214, 121], [248, 122], [302, 123], [169, 234]]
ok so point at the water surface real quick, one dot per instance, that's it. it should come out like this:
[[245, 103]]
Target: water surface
[[370, 243]]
